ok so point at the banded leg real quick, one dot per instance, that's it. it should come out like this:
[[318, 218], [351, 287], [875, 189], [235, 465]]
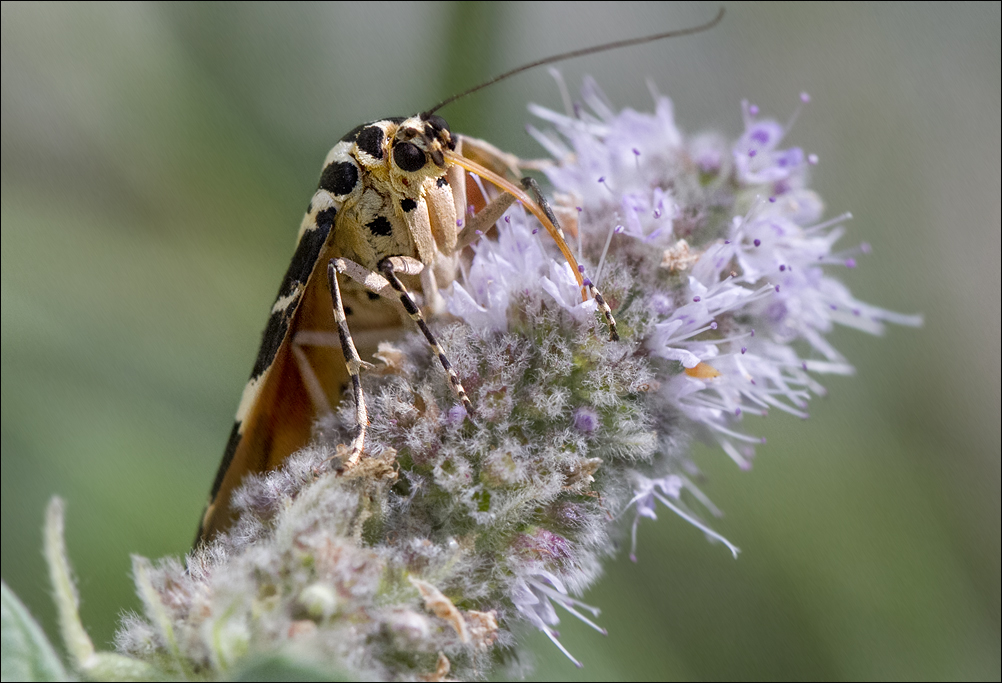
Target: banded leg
[[354, 363], [531, 186], [388, 269]]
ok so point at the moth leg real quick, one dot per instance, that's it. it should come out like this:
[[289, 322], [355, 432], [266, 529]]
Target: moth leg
[[456, 175], [374, 282], [481, 222], [310, 379], [531, 186], [432, 298], [353, 362], [389, 268]]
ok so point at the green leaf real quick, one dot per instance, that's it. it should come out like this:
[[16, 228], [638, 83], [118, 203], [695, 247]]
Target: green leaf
[[285, 668], [25, 652]]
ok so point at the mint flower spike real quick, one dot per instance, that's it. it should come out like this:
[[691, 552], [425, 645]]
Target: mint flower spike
[[453, 535]]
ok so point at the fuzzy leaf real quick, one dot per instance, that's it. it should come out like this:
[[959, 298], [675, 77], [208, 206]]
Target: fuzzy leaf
[[26, 654], [283, 668]]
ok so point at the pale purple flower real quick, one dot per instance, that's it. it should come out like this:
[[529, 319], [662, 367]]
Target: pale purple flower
[[533, 596], [562, 287], [668, 491], [757, 156], [501, 269]]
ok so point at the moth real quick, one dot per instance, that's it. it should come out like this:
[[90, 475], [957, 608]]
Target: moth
[[388, 220]]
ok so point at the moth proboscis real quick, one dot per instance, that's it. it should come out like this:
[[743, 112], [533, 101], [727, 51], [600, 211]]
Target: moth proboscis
[[388, 218]]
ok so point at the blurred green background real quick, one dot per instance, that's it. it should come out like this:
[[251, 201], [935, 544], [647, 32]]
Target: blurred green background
[[156, 162]]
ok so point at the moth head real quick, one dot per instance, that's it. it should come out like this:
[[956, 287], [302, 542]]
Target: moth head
[[418, 146]]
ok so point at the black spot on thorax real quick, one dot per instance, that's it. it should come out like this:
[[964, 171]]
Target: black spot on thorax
[[380, 226], [370, 141], [353, 133], [442, 182], [408, 204], [339, 178], [372, 296]]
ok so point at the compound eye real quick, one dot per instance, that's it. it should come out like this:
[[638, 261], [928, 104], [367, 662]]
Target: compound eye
[[408, 157]]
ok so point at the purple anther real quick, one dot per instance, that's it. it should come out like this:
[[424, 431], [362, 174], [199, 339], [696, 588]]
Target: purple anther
[[696, 299], [737, 411], [782, 268], [535, 230], [753, 110], [850, 263], [753, 333], [579, 209], [507, 219], [744, 349], [713, 325], [580, 269], [586, 282], [479, 233], [752, 152], [636, 151], [618, 229], [772, 200], [459, 223], [601, 179], [757, 242], [865, 247], [777, 288], [805, 98], [804, 365], [760, 135], [727, 241]]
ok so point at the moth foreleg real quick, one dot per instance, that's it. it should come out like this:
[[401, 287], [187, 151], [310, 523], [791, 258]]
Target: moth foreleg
[[481, 222], [389, 268], [354, 364], [531, 186], [374, 282]]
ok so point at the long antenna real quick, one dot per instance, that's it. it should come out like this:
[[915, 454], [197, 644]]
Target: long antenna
[[578, 53]]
